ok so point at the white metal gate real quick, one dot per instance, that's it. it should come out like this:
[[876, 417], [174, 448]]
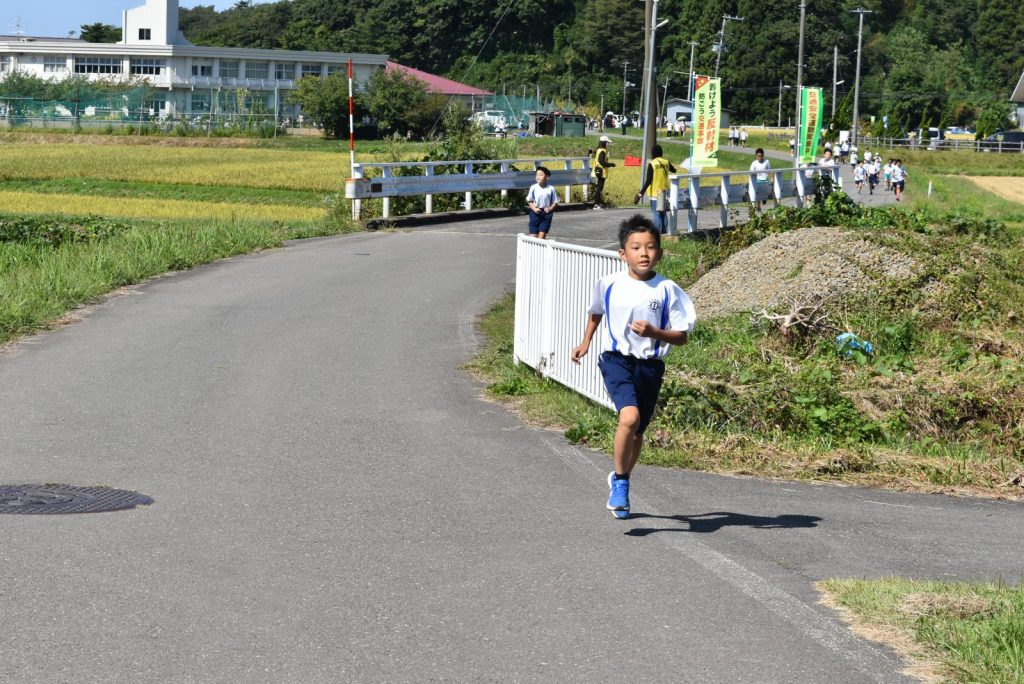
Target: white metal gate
[[554, 284]]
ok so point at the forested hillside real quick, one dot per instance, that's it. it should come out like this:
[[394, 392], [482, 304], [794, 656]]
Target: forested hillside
[[935, 61]]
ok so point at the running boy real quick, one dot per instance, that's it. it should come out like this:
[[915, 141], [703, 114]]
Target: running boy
[[647, 313], [542, 199], [899, 178], [760, 166], [859, 176]]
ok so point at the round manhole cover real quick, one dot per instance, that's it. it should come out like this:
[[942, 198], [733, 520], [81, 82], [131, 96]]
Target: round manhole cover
[[45, 499]]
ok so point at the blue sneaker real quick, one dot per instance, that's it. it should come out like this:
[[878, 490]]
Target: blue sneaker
[[618, 499]]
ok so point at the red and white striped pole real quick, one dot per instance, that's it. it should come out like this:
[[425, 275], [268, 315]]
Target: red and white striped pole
[[351, 122]]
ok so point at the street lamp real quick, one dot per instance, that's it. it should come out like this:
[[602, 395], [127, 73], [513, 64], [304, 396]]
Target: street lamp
[[835, 84], [689, 74], [781, 87]]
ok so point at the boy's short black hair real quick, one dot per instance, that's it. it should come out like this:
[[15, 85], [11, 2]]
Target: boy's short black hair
[[759, 150], [546, 170], [638, 223], [656, 150]]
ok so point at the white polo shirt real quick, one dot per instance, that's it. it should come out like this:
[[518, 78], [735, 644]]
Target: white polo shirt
[[623, 300]]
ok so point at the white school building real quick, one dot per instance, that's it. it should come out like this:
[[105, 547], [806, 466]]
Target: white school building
[[186, 78]]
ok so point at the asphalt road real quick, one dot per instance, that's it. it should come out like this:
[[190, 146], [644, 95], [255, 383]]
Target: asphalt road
[[334, 501]]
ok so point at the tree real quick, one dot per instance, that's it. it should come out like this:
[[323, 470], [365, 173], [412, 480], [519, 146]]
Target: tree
[[324, 101], [393, 98], [994, 117], [100, 33], [999, 37]]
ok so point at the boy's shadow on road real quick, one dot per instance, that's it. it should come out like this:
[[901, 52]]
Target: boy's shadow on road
[[712, 522]]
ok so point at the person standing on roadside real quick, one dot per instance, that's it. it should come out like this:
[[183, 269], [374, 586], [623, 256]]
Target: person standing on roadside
[[656, 186], [601, 166]]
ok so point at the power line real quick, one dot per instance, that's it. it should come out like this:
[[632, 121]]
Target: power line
[[473, 63]]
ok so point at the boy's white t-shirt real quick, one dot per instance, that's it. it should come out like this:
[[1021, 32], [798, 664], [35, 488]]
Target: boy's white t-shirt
[[623, 300], [761, 166], [542, 197]]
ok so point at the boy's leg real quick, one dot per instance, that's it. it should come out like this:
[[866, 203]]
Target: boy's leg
[[627, 442], [544, 225], [534, 223], [627, 449], [618, 373]]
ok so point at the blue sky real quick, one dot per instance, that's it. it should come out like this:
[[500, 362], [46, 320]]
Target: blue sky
[[55, 18]]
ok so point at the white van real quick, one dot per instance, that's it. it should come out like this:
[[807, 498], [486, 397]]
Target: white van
[[490, 119]]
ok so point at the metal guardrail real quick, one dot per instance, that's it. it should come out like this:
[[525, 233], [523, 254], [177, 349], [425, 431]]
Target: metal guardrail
[[687, 194], [477, 175], [554, 284]]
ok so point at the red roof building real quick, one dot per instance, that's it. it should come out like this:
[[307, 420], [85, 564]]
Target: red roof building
[[439, 85]]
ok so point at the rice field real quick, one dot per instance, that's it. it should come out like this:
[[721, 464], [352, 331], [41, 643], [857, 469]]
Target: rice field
[[174, 206], [169, 182], [54, 203], [218, 166]]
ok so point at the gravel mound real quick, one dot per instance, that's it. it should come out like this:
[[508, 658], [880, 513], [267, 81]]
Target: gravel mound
[[799, 264]]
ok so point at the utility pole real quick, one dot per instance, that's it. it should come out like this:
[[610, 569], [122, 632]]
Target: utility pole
[[650, 109], [856, 83], [779, 123], [664, 99], [800, 69], [625, 84], [721, 40], [835, 75], [689, 77]]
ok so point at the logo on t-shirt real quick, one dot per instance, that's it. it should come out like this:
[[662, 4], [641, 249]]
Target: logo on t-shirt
[[654, 304]]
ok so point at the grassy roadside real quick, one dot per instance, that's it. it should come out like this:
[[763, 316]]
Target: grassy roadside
[[957, 632], [52, 264], [936, 409]]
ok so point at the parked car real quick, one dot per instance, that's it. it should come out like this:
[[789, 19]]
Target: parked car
[[1004, 140]]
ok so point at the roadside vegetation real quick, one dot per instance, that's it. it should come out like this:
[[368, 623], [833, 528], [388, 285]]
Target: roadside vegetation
[[937, 406], [956, 632], [82, 216]]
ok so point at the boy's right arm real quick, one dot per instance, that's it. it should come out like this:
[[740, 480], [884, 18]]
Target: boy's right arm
[[581, 350]]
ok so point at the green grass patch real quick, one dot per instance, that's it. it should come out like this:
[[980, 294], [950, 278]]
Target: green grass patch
[[935, 407], [50, 265], [962, 632]]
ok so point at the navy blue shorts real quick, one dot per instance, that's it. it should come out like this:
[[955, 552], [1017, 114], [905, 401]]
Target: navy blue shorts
[[540, 223], [633, 382]]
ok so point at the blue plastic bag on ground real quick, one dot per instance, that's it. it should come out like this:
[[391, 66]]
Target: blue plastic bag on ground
[[848, 343]]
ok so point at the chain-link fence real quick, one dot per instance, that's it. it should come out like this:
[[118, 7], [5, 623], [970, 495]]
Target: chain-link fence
[[513, 110], [149, 109]]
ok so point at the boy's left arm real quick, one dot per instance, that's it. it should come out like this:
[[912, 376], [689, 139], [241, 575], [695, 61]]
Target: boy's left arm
[[554, 202], [648, 329], [682, 317]]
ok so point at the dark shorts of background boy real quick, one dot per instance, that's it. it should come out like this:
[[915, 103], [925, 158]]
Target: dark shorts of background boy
[[632, 382], [540, 223]]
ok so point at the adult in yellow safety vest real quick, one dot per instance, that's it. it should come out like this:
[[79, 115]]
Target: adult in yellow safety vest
[[656, 187], [601, 166]]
